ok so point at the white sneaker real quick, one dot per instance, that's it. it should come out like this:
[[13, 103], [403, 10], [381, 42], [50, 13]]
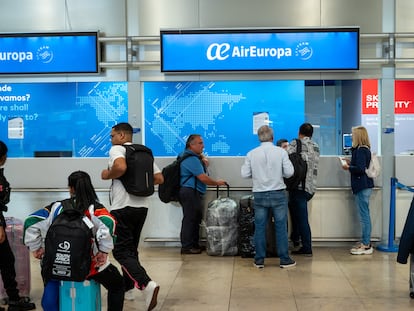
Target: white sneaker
[[362, 249], [150, 294], [130, 294]]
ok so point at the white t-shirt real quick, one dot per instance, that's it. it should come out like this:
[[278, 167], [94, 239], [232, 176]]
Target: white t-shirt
[[119, 197]]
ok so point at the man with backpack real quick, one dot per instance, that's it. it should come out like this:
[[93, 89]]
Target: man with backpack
[[304, 191], [130, 211], [193, 185], [44, 239]]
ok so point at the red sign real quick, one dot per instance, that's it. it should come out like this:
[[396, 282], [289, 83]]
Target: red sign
[[404, 97], [370, 99]]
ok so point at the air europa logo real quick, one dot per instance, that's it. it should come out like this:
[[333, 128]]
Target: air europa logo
[[44, 54], [16, 56], [222, 51]]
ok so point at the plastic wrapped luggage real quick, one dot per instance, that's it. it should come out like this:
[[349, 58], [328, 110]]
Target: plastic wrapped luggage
[[246, 230], [222, 226], [14, 231], [79, 296]]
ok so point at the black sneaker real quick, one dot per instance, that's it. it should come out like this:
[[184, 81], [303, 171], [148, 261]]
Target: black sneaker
[[287, 264], [301, 251], [191, 251], [21, 305]]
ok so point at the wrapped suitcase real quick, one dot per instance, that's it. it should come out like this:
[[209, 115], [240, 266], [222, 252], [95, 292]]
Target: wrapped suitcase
[[246, 230], [222, 226], [79, 296], [14, 231]]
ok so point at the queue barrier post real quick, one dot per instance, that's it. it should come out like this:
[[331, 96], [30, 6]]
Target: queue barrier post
[[390, 246]]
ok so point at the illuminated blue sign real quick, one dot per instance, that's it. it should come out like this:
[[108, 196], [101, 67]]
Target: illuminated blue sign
[[35, 53], [260, 50]]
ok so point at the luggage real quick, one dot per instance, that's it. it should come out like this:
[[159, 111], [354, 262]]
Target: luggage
[[79, 296], [222, 226], [412, 275], [271, 249], [14, 231], [246, 230], [246, 227]]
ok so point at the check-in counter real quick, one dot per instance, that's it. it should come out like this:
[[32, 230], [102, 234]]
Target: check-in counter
[[332, 213]]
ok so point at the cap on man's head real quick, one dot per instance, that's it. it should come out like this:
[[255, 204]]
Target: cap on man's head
[[3, 149]]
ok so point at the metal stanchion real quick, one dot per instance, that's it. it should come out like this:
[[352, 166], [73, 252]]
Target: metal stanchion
[[390, 246]]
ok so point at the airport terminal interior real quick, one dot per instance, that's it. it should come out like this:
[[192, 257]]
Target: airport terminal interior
[[333, 63]]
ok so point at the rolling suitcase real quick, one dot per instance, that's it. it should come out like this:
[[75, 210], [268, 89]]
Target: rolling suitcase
[[14, 231], [271, 248], [246, 230], [412, 275], [222, 226], [79, 296], [246, 227]]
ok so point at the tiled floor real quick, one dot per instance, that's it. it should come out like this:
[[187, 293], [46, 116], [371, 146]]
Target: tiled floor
[[331, 280]]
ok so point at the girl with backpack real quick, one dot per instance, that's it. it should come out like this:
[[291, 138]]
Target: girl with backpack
[[83, 199]]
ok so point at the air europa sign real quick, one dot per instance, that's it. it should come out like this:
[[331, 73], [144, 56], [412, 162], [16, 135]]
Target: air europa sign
[[223, 51], [260, 49], [34, 53]]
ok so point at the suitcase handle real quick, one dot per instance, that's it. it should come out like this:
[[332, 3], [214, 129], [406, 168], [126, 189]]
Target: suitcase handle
[[228, 190]]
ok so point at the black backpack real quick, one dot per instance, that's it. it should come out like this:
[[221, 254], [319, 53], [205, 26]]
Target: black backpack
[[169, 190], [301, 168], [139, 176], [4, 191], [68, 246]]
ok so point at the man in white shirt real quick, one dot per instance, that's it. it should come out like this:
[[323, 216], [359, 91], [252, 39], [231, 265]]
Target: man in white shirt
[[130, 211], [267, 165]]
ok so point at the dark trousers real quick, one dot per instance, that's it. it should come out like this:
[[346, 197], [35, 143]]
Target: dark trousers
[[130, 221], [298, 207], [112, 280], [191, 201], [8, 272]]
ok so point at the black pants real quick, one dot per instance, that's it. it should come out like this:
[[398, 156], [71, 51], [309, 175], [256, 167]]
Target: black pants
[[192, 204], [112, 280], [8, 272], [130, 221]]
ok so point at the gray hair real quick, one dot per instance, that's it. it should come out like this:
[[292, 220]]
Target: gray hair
[[265, 133]]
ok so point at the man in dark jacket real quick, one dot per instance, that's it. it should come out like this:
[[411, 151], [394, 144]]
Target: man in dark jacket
[[8, 272]]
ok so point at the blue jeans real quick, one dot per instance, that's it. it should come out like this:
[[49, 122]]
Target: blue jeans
[[298, 204], [276, 203], [362, 203]]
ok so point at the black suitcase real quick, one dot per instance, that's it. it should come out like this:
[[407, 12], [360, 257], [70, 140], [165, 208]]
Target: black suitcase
[[412, 275], [246, 227], [246, 230]]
